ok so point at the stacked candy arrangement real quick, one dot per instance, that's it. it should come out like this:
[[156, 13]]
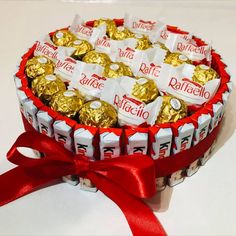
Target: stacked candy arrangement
[[112, 87]]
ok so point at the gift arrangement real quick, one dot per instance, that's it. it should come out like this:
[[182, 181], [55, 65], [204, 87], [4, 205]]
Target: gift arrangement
[[127, 106]]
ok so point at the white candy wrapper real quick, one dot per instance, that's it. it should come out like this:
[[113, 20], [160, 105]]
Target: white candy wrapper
[[88, 79], [50, 51], [177, 82], [156, 30], [30, 112], [65, 67], [91, 34], [130, 110], [45, 122], [103, 44], [148, 63], [188, 47]]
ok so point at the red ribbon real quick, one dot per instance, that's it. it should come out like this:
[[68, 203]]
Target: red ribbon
[[125, 180]]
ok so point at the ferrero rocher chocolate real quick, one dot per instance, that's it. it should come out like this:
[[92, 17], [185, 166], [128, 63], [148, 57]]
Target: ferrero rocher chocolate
[[110, 24], [117, 69], [98, 113], [143, 42], [68, 103], [81, 48], [145, 90], [39, 65], [44, 87], [121, 33], [97, 58], [203, 74], [63, 37], [176, 59], [172, 109]]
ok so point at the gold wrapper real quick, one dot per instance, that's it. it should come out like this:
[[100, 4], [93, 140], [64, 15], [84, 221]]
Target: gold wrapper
[[98, 113], [176, 59], [39, 65], [143, 42], [203, 74], [145, 90], [68, 103], [110, 24], [161, 45], [44, 87], [81, 48], [63, 37], [172, 109], [97, 58], [120, 33], [117, 69]]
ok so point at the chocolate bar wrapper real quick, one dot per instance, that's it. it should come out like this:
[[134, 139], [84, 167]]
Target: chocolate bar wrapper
[[160, 141], [18, 82], [136, 141], [217, 110], [110, 143], [85, 140], [22, 98], [193, 168]]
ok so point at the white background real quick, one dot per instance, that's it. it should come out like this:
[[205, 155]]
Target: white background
[[202, 205]]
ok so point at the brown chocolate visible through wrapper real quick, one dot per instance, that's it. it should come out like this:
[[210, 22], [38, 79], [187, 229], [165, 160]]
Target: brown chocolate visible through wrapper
[[145, 90], [39, 65], [44, 87], [98, 113], [202, 74], [117, 69], [68, 103], [172, 109]]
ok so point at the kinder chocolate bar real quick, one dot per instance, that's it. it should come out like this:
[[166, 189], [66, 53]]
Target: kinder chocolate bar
[[193, 168], [176, 178], [161, 183], [18, 82], [136, 141], [110, 143], [160, 140], [216, 109], [86, 140], [22, 97]]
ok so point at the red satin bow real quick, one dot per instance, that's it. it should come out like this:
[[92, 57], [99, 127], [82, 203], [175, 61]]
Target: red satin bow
[[125, 179]]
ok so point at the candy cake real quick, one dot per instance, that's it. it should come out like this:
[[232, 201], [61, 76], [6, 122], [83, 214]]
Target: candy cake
[[106, 88]]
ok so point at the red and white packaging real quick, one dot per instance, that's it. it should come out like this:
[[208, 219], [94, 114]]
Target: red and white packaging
[[124, 50], [136, 141], [82, 31], [156, 30], [176, 178], [110, 142], [177, 81], [148, 63], [188, 47], [160, 141], [183, 134], [22, 97], [46, 118], [193, 168], [216, 109], [65, 68], [50, 51], [85, 141], [88, 79], [131, 111], [201, 121], [103, 44]]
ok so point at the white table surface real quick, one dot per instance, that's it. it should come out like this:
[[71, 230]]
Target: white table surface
[[202, 205]]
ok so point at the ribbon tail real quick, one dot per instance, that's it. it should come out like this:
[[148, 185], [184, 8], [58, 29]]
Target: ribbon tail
[[140, 217], [17, 182]]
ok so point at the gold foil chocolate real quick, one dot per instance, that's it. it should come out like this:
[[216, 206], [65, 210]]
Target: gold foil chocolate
[[110, 24], [143, 42], [68, 103], [98, 113], [145, 90], [97, 58], [172, 109], [39, 65], [120, 33], [203, 74], [176, 59], [44, 87], [161, 45], [81, 48], [63, 37], [117, 69]]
